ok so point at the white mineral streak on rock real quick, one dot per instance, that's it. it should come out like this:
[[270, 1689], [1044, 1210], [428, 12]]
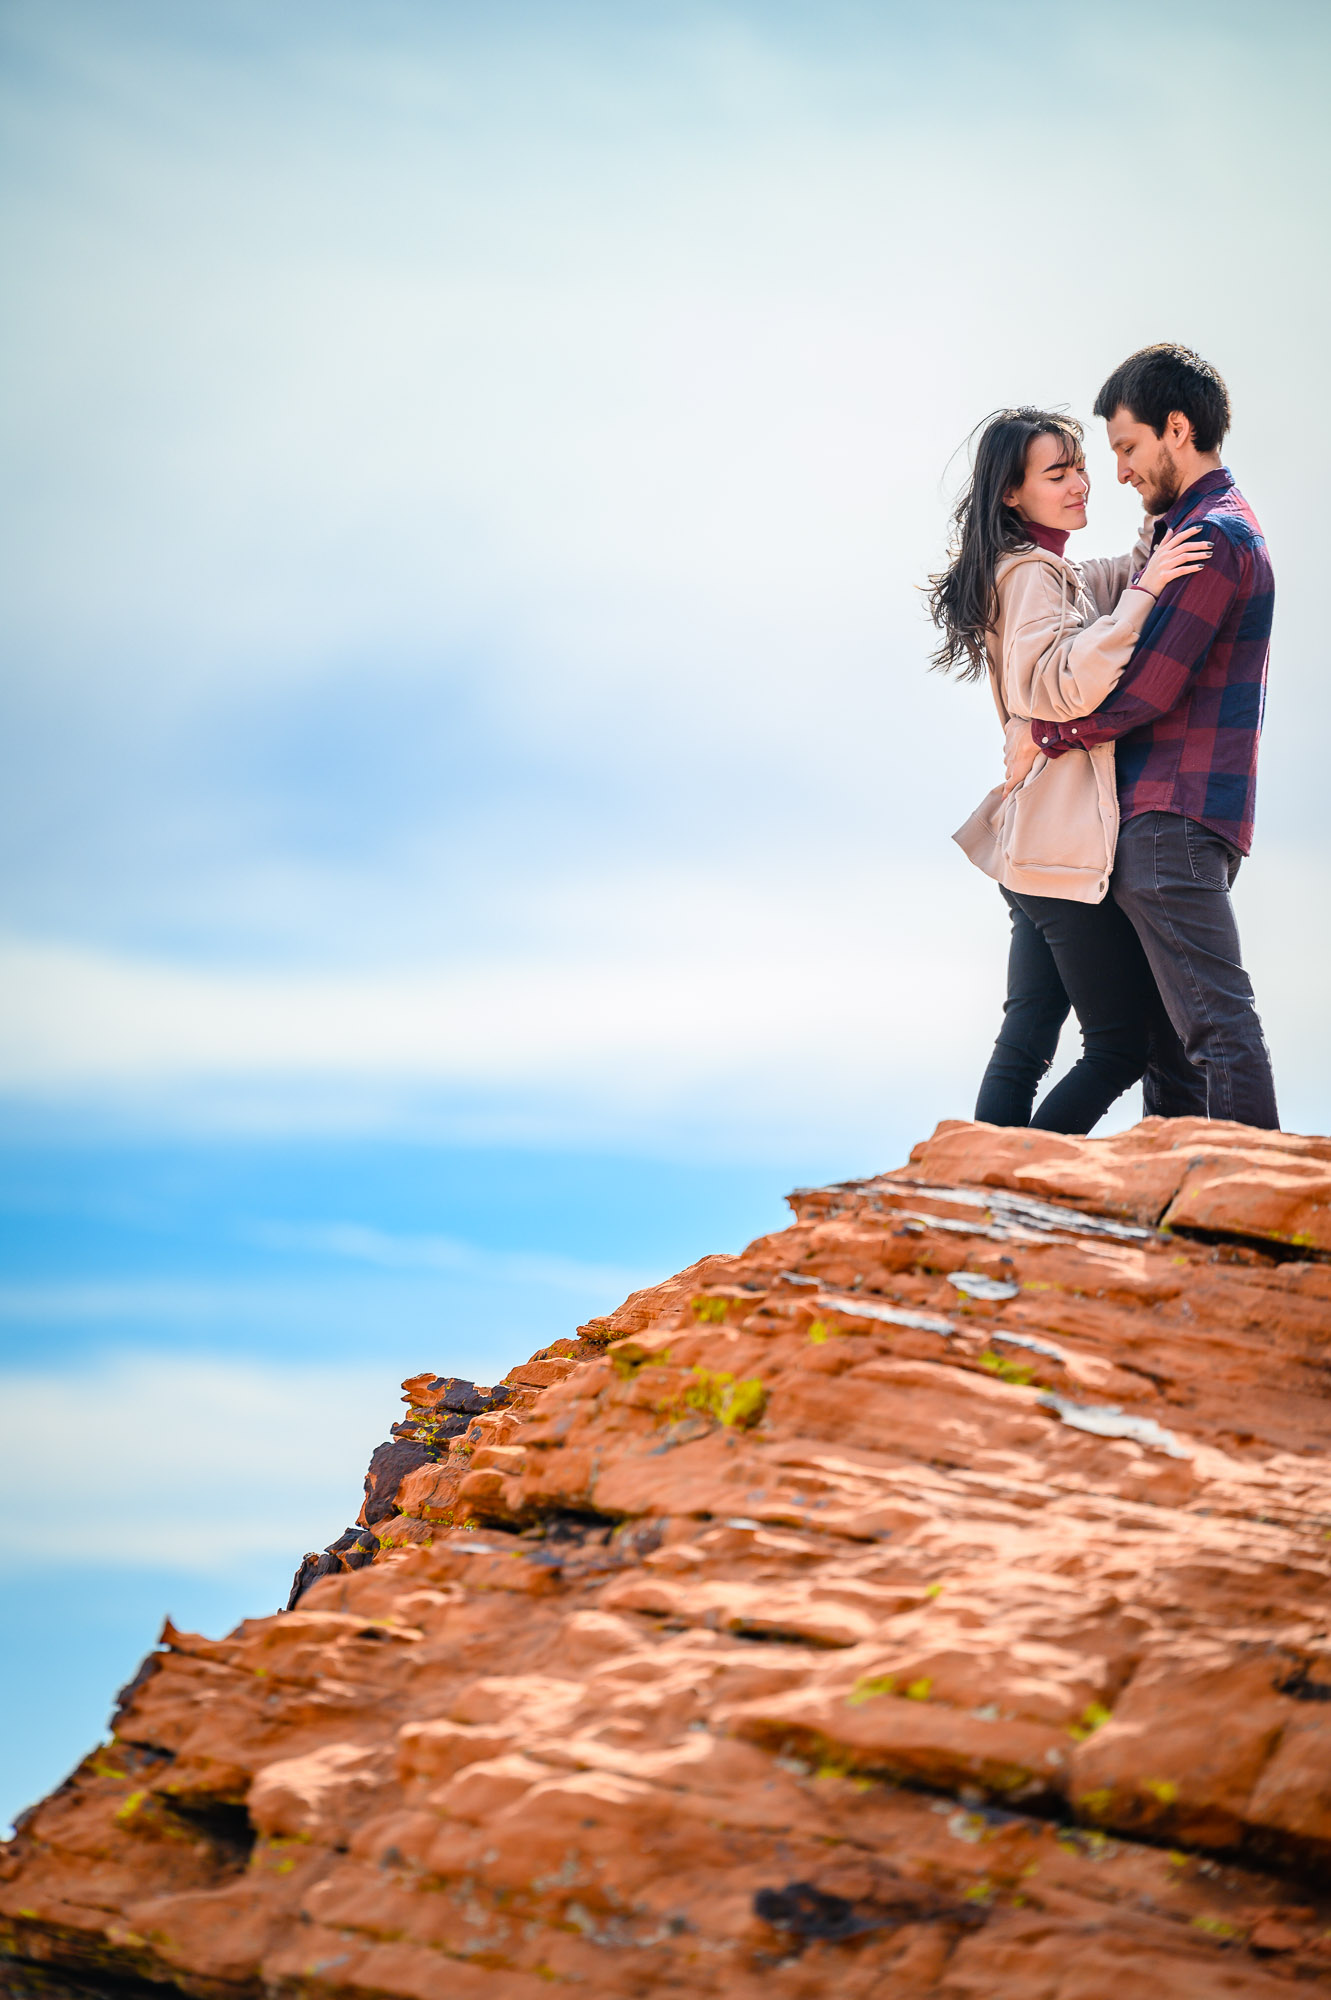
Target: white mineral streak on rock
[[849, 1302], [975, 1285], [1107, 1420]]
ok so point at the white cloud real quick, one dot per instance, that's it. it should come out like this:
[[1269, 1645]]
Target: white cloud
[[801, 1008], [198, 1465], [740, 1011], [387, 1250]]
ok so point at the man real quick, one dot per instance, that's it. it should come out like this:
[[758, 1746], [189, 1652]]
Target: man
[[1186, 717]]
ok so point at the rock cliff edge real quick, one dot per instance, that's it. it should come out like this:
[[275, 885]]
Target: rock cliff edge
[[933, 1600]]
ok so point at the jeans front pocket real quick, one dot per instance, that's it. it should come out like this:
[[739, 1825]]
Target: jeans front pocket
[[1213, 861]]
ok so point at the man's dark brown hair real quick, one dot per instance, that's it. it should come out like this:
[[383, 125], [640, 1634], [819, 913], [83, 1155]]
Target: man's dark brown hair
[[1158, 380]]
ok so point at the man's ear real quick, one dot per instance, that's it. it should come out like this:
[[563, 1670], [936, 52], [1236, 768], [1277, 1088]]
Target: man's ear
[[1178, 431]]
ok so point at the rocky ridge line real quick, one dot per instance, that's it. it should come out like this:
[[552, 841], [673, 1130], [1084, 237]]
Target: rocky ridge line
[[934, 1600]]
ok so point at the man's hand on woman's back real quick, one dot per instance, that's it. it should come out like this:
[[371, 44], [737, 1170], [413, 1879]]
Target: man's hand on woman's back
[[1020, 754]]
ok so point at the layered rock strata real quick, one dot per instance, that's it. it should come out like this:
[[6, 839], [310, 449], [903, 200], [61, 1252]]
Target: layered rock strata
[[933, 1600]]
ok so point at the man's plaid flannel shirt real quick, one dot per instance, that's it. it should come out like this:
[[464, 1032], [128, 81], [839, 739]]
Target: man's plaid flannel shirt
[[1188, 712]]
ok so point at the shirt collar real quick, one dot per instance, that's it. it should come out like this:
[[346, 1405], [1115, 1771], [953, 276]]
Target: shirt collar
[[1218, 481]]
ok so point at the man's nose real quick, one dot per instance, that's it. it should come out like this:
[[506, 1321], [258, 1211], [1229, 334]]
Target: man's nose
[[1123, 475]]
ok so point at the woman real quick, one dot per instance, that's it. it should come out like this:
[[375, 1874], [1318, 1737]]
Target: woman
[[1054, 637]]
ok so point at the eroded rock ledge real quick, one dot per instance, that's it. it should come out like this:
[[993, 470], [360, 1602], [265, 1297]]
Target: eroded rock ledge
[[933, 1600]]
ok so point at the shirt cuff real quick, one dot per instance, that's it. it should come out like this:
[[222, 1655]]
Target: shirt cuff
[[1046, 736]]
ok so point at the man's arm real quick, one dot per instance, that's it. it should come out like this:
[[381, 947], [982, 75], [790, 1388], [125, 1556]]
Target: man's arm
[[1172, 649]]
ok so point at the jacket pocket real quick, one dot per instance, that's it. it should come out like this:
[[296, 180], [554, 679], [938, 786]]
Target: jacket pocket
[[1054, 820]]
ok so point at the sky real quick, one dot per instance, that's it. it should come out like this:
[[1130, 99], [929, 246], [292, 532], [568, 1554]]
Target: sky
[[477, 818]]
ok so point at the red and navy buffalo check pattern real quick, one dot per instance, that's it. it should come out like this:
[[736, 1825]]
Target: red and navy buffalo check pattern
[[1188, 712]]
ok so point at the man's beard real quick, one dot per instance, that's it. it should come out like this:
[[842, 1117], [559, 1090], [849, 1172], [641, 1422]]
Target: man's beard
[[1162, 485]]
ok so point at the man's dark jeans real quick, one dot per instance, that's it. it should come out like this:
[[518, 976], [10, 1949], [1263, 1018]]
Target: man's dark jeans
[[1172, 879]]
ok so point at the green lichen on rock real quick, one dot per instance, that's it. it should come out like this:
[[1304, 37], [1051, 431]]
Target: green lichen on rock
[[869, 1687], [1006, 1371], [710, 1311], [1094, 1716], [628, 1358], [714, 1393]]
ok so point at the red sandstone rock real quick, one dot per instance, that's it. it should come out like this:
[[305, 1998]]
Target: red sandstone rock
[[1191, 1173], [933, 1601]]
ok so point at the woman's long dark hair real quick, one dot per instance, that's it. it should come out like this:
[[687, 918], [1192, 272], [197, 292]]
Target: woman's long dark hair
[[963, 602]]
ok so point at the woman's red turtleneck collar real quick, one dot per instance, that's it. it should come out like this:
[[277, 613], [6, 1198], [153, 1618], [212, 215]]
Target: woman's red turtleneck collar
[[1053, 539]]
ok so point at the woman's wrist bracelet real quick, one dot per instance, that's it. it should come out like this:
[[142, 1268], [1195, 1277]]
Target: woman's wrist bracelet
[[1145, 592]]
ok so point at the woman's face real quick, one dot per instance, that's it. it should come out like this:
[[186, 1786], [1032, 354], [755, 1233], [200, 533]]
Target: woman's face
[[1053, 493]]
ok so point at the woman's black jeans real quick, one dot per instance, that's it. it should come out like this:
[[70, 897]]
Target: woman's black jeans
[[1066, 955]]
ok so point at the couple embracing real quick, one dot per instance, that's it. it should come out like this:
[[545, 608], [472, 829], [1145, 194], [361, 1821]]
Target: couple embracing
[[1130, 690]]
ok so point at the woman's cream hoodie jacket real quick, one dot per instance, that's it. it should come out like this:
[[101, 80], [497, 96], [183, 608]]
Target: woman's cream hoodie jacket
[[1063, 636]]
